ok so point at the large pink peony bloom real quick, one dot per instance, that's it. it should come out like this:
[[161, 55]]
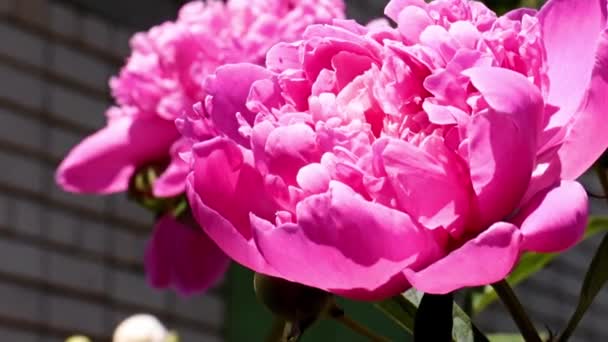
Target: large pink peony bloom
[[363, 161], [163, 79]]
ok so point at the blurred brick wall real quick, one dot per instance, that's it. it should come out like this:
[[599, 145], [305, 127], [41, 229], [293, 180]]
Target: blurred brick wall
[[365, 10], [69, 263]]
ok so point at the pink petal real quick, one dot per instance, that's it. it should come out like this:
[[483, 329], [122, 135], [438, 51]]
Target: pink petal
[[502, 141], [394, 7], [546, 174], [572, 61], [414, 172], [182, 257], [555, 219], [288, 148], [172, 181], [229, 90], [105, 161], [586, 138], [346, 244], [412, 20], [222, 190], [484, 260]]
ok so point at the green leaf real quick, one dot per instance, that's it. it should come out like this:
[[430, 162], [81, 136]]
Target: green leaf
[[464, 330], [596, 277], [506, 338], [511, 337], [399, 309], [597, 224], [433, 320], [402, 310], [530, 263]]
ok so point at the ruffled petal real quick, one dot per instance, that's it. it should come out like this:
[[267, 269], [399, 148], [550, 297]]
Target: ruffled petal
[[502, 140], [414, 172], [182, 257], [222, 190], [555, 219], [345, 244], [172, 181], [105, 161], [229, 90], [484, 260], [586, 138], [571, 56]]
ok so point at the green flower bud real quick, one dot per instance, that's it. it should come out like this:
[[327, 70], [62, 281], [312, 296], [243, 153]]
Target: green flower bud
[[291, 301], [141, 190]]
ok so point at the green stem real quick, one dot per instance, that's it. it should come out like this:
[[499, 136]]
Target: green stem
[[338, 314], [509, 299], [276, 330]]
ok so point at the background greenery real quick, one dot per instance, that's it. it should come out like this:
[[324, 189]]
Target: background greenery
[[248, 320]]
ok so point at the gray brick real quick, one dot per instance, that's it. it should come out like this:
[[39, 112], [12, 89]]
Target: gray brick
[[120, 42], [203, 308], [93, 236], [29, 258], [20, 129], [76, 315], [60, 227], [96, 33], [76, 273], [62, 141], [20, 171], [80, 67], [130, 210], [35, 12], [117, 316], [125, 246], [19, 302], [28, 217], [77, 108], [6, 210], [132, 288], [7, 6], [95, 203], [64, 20], [8, 334], [187, 334], [364, 10], [52, 339], [24, 89], [23, 46]]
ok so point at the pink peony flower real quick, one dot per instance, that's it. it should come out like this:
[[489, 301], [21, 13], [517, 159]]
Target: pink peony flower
[[163, 79], [363, 161]]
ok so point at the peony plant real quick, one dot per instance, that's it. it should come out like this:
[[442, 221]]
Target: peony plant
[[425, 154], [364, 161]]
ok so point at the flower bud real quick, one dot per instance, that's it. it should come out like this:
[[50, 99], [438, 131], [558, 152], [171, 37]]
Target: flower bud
[[140, 328], [78, 338], [141, 190], [291, 301]]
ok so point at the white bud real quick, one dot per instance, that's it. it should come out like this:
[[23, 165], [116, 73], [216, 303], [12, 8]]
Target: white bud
[[140, 328]]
